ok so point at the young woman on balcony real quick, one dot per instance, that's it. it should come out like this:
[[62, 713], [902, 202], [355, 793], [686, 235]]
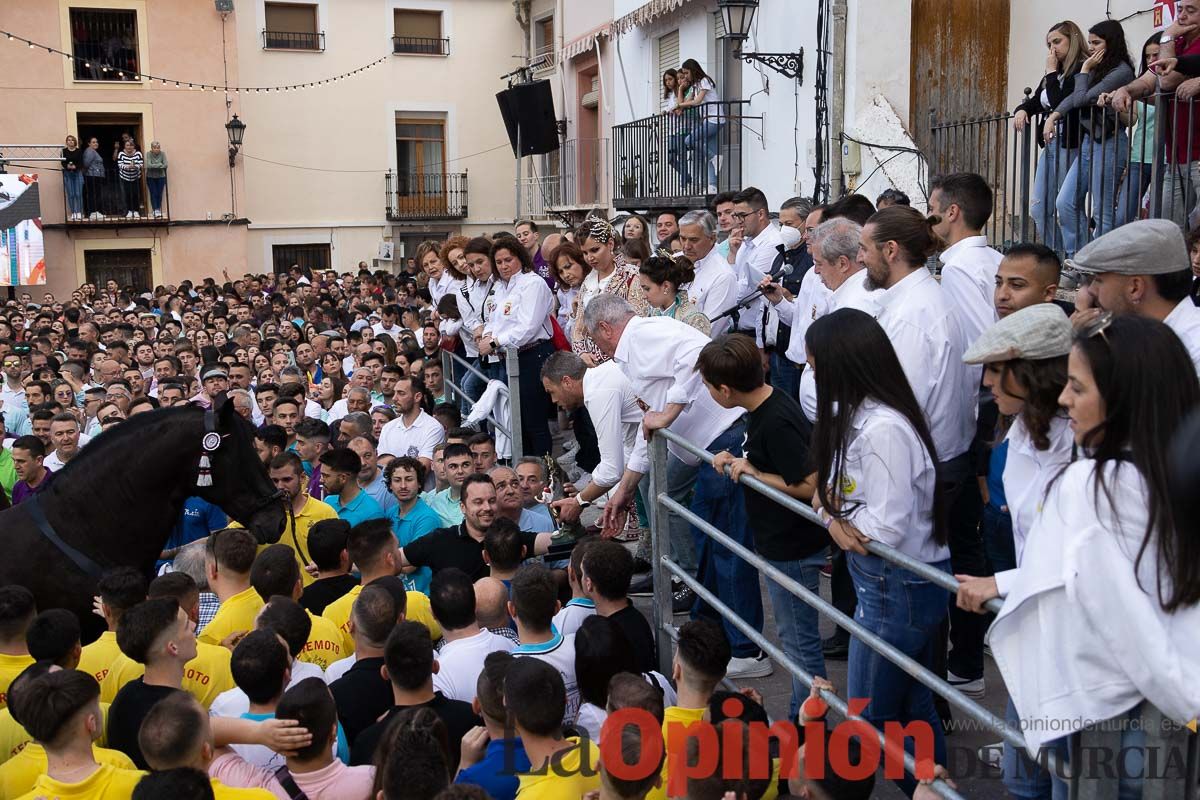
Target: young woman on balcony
[[93, 180], [670, 82], [73, 167], [1066, 48], [702, 125], [1103, 143], [156, 177], [1142, 147], [129, 169]]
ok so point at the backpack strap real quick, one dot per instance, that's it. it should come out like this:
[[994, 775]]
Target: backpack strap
[[285, 779]]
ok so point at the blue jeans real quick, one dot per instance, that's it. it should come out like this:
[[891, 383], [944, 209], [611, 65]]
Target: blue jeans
[[703, 141], [1097, 171], [796, 621], [1133, 188], [677, 155], [735, 583], [1024, 778], [905, 611], [156, 186], [681, 480], [1047, 180], [998, 539], [785, 376], [73, 185], [1130, 771]]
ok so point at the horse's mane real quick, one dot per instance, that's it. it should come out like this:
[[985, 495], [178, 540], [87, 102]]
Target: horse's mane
[[100, 452]]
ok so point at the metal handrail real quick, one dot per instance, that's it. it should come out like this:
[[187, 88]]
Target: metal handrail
[[909, 563], [513, 370]]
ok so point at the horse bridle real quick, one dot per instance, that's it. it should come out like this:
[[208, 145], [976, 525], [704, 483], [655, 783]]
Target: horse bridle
[[211, 442]]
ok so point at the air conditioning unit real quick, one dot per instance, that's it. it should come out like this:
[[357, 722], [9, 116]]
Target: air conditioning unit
[[224, 6]]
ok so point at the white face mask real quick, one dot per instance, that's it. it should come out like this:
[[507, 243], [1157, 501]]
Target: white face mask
[[791, 237]]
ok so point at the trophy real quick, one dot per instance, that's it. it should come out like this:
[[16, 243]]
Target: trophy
[[567, 532]]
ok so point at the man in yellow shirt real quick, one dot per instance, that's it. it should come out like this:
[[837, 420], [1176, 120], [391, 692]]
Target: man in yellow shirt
[[375, 551], [120, 590], [228, 557], [62, 712], [208, 674], [17, 611], [177, 734], [275, 573], [20, 771], [536, 700]]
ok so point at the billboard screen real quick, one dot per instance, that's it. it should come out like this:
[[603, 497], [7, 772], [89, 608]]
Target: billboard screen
[[22, 253]]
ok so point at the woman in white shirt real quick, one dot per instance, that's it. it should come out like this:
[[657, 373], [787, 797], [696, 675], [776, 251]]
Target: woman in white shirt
[[441, 280], [570, 269], [1106, 559], [704, 131], [1025, 367], [475, 305], [522, 321], [877, 482]]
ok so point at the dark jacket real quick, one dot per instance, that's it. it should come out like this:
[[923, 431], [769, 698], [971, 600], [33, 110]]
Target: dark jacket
[[1057, 89]]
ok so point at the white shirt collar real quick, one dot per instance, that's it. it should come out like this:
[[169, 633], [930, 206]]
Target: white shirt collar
[[968, 243], [902, 287]]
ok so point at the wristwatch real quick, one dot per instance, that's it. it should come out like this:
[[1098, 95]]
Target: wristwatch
[[1166, 38], [582, 503]]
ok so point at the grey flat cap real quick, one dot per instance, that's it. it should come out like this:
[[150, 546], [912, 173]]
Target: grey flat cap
[[1142, 247], [214, 371], [1033, 333]]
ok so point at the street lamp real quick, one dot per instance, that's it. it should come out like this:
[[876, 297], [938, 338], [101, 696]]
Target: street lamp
[[236, 130], [738, 16]]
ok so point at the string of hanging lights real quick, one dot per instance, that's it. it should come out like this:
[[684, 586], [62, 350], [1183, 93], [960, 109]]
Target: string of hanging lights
[[192, 85]]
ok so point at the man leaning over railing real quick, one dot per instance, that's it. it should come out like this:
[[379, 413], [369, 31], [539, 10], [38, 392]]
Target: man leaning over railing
[[1182, 124]]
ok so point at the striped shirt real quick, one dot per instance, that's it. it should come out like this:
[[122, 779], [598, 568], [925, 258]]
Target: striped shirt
[[129, 166]]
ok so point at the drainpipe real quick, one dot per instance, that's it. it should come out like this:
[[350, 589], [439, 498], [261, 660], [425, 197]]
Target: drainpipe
[[837, 106]]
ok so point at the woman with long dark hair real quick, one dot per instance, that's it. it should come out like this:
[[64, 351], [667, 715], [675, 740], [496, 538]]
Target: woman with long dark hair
[[705, 123], [1142, 147], [670, 87], [570, 269], [1107, 559], [1066, 48], [1103, 143], [877, 482]]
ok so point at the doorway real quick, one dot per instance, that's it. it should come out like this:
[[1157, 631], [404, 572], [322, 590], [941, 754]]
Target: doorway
[[107, 129], [129, 268]]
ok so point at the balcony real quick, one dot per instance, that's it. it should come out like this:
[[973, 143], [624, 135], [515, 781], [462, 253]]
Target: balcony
[[105, 205], [662, 161], [426, 195], [309, 41], [576, 180], [543, 61], [420, 46]]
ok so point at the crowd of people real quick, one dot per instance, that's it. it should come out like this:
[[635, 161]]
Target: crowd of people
[[417, 632]]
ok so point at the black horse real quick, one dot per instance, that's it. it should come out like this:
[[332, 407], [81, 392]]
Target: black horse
[[117, 501]]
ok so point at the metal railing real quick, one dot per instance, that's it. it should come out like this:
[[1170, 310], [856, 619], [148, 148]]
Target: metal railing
[[426, 195], [665, 160], [1095, 174], [454, 365], [420, 46], [580, 182], [105, 44], [104, 202], [293, 40], [1083, 779], [543, 61]]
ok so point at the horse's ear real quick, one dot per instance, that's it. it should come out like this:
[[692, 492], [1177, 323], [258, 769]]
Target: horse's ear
[[224, 408]]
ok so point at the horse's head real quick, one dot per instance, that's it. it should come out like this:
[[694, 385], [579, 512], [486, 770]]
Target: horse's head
[[240, 485]]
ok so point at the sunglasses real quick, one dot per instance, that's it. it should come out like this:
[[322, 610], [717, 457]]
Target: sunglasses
[[112, 419]]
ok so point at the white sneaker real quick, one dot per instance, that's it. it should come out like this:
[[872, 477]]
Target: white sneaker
[[750, 667], [95, 215], [974, 689], [157, 214], [137, 215], [128, 215]]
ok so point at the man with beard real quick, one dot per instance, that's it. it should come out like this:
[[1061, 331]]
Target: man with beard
[[413, 433], [339, 480]]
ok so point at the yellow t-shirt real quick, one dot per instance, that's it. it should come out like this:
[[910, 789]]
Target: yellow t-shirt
[[13, 737], [324, 645], [685, 717], [313, 511], [223, 792], [106, 783], [20, 773], [417, 609], [570, 777], [208, 674], [10, 668], [111, 668], [236, 614]]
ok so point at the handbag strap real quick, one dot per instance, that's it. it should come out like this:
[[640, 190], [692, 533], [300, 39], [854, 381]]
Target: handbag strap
[[285, 779]]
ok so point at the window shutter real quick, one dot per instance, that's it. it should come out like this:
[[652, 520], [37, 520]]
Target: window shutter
[[668, 58]]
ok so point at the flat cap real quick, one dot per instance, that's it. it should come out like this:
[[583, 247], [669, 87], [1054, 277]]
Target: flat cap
[[1036, 332], [213, 371], [1141, 247]]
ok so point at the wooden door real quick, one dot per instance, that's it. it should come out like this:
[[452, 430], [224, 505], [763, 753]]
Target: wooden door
[[421, 167], [959, 62]]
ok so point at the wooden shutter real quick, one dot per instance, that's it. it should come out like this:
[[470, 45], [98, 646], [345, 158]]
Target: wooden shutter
[[668, 58]]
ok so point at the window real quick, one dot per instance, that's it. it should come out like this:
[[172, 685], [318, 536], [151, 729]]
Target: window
[[292, 26], [313, 256], [419, 33], [543, 45], [126, 267], [668, 58], [105, 44]]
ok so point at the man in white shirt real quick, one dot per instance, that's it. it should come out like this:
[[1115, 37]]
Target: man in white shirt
[[608, 396], [389, 324], [413, 432], [921, 325], [834, 248], [466, 645], [67, 440], [715, 288], [963, 202], [1142, 268], [658, 355], [12, 391], [757, 253]]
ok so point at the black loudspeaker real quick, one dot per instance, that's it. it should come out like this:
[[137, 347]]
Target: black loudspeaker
[[529, 108]]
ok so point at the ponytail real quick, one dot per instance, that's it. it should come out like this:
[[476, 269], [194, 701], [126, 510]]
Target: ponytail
[[909, 229]]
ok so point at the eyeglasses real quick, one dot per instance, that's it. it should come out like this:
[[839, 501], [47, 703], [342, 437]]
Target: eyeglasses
[[741, 215]]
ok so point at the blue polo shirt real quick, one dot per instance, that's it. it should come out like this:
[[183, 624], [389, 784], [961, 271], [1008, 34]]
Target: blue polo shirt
[[198, 519], [497, 771], [360, 509], [420, 520]]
